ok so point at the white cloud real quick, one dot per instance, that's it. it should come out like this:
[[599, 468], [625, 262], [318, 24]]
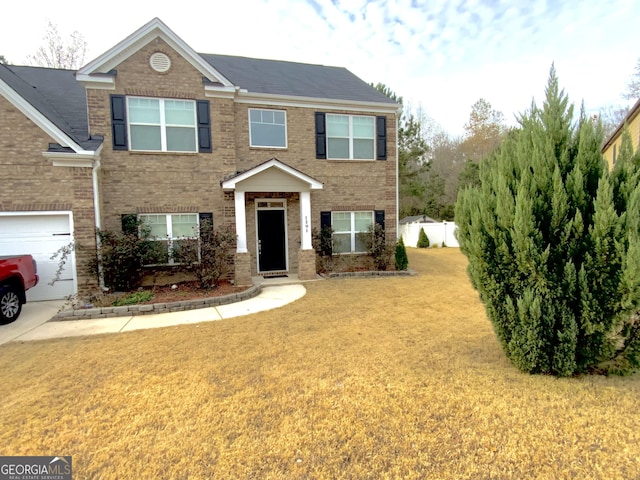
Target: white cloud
[[444, 54]]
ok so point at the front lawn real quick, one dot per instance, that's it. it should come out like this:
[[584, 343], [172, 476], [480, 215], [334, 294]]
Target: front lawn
[[396, 377]]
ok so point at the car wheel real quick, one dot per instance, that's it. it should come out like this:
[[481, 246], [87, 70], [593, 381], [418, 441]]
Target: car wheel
[[10, 304]]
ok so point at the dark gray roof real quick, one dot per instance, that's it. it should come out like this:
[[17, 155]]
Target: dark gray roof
[[56, 94], [278, 77], [59, 97]]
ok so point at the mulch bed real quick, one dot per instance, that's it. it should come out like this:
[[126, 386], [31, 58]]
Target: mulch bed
[[189, 291], [177, 292]]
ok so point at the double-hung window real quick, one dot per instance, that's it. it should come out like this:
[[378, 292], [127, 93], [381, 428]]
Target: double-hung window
[[168, 231], [164, 125], [350, 137], [267, 128], [349, 230]]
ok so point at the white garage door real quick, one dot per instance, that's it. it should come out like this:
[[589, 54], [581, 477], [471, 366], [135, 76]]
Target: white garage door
[[40, 235]]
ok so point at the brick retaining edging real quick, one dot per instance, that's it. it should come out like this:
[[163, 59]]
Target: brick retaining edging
[[373, 273], [130, 310]]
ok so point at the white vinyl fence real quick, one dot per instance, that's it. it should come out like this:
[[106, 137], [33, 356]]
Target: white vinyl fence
[[440, 234]]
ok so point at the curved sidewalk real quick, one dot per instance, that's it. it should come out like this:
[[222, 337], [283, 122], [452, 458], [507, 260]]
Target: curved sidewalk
[[269, 298]]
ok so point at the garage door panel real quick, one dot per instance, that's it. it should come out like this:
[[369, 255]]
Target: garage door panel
[[40, 236]]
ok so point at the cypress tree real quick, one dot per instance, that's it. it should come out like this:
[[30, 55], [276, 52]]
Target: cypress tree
[[553, 242], [400, 256], [423, 240]]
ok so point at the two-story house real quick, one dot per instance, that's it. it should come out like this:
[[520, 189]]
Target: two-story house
[[151, 128]]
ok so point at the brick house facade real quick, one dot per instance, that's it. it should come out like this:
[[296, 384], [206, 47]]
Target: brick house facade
[[263, 147]]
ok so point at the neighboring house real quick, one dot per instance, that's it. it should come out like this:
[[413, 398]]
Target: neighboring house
[[153, 129], [611, 148], [416, 219]]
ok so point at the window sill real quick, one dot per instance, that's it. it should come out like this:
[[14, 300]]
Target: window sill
[[154, 152], [253, 147], [350, 160]]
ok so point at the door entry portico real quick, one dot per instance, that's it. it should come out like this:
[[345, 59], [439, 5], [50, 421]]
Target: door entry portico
[[272, 235]]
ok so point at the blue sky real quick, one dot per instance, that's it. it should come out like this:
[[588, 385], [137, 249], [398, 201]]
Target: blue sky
[[439, 54]]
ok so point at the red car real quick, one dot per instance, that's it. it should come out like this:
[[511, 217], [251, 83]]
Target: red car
[[17, 275]]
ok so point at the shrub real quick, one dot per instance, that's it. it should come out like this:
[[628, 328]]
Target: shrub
[[121, 257], [322, 240], [208, 257], [402, 261], [423, 240], [553, 242], [378, 248]]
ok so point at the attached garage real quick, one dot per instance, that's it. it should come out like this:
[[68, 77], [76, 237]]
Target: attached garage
[[41, 234]]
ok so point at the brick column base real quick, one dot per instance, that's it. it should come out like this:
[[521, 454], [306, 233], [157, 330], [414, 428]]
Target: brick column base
[[243, 269], [307, 264]]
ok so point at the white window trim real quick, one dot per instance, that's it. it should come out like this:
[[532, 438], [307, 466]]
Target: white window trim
[[278, 204], [163, 126], [352, 230], [286, 137], [170, 238], [351, 137]]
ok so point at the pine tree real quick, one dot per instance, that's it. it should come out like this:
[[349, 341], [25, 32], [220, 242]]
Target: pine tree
[[553, 242]]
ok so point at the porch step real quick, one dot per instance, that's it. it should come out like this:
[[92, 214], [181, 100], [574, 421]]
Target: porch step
[[274, 274]]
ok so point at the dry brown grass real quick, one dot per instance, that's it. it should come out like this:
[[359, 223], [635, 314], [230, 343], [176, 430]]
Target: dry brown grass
[[362, 378]]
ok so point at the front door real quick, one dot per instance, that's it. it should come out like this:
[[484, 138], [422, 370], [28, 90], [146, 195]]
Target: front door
[[272, 244]]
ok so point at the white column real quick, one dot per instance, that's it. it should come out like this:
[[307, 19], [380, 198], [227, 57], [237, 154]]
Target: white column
[[305, 220], [241, 222]]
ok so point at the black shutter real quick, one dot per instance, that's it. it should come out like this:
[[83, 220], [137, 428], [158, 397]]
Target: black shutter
[[129, 224], [325, 233], [379, 219], [204, 126], [381, 138], [119, 122], [321, 136], [206, 224]]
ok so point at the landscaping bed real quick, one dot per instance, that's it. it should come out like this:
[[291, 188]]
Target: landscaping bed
[[157, 299]]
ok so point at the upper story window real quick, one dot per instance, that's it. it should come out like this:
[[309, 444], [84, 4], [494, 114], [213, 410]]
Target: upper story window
[[350, 137], [267, 128], [157, 124], [160, 125]]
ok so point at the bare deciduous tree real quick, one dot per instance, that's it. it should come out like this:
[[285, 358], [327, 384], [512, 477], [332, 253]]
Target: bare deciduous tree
[[59, 53], [611, 117], [633, 87]]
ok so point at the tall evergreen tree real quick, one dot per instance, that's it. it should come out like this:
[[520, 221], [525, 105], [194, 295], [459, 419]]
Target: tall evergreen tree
[[553, 242], [413, 163]]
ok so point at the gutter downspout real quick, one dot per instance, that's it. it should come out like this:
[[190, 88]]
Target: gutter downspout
[[97, 215], [398, 115]]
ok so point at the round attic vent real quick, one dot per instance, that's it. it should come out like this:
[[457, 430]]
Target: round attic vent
[[160, 62]]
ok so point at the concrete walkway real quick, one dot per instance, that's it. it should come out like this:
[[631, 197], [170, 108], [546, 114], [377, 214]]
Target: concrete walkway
[[271, 297]]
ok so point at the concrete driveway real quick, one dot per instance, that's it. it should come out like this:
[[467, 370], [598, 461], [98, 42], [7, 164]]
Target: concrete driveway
[[33, 315]]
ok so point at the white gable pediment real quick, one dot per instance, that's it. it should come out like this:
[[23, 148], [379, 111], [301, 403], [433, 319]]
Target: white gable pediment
[[96, 70], [272, 176]]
